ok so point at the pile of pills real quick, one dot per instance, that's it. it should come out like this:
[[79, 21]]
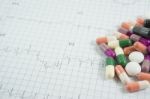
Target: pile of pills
[[128, 54]]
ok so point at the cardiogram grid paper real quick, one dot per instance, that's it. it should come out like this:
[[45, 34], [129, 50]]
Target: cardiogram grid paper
[[48, 50]]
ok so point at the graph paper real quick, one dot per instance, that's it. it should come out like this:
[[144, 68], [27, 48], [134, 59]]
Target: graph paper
[[48, 50]]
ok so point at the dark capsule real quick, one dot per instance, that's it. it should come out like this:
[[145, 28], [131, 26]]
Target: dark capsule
[[143, 31], [146, 23]]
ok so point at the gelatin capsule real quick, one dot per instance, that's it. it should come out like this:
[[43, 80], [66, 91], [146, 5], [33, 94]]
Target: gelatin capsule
[[146, 64], [142, 31], [143, 76], [107, 50], [121, 43], [110, 72], [121, 59], [136, 86], [128, 50], [105, 39], [122, 74], [143, 22], [135, 38], [140, 47], [121, 36]]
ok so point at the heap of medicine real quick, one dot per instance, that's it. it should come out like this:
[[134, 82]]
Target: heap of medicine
[[128, 54]]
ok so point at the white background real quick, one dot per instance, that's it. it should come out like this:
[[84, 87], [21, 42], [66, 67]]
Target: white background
[[47, 48]]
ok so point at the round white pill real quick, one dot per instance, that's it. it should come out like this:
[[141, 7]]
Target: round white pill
[[136, 57], [133, 68]]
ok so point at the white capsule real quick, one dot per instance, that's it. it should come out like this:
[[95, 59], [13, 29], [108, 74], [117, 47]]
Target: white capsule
[[118, 51], [133, 68], [113, 44], [136, 57], [110, 73]]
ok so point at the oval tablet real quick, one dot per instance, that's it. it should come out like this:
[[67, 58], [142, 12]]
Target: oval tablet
[[133, 68], [136, 57]]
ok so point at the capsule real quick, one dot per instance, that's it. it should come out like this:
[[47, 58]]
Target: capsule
[[125, 31], [143, 76], [121, 59], [107, 50], [146, 64], [144, 22], [128, 50], [110, 72], [105, 39], [140, 20], [121, 36], [122, 74], [140, 47], [135, 38], [128, 25], [148, 49], [136, 86], [121, 43], [142, 31]]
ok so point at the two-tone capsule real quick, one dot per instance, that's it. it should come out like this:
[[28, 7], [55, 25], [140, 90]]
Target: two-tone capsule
[[122, 43], [110, 72], [136, 86], [105, 39], [120, 36], [144, 41], [128, 25], [124, 31], [122, 74], [107, 50], [121, 58], [146, 64]]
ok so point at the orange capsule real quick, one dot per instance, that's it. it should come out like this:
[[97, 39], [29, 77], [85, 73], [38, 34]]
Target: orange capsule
[[105, 39], [128, 50], [136, 86], [140, 20], [127, 25], [140, 47], [122, 74], [143, 76], [101, 40]]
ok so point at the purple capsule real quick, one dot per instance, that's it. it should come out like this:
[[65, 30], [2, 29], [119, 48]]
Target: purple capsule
[[148, 48], [146, 64], [129, 33], [135, 38], [124, 31], [107, 50]]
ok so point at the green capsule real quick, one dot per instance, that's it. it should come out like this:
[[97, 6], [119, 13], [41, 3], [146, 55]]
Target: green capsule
[[121, 59], [125, 43], [110, 61]]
